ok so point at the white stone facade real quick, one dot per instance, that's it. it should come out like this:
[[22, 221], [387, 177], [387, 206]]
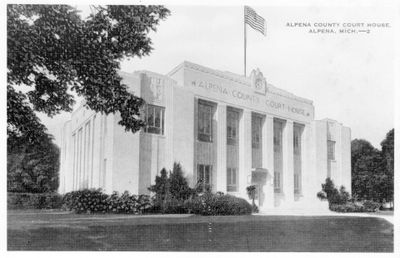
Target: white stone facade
[[228, 130]]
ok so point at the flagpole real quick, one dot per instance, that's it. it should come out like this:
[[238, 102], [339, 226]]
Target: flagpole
[[244, 27]]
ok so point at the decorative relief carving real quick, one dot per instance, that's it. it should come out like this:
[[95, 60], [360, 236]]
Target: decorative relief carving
[[258, 82]]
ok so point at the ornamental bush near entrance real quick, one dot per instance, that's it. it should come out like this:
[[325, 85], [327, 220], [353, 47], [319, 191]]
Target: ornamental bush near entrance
[[218, 204], [172, 194], [95, 201]]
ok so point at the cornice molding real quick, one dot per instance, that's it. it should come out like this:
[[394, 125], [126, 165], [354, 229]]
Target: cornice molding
[[240, 79]]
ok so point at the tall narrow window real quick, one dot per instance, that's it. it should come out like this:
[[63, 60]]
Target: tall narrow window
[[231, 178], [297, 163], [74, 162], [154, 119], [232, 127], [204, 175], [80, 156], [331, 150], [104, 174], [92, 151], [256, 140], [87, 159], [205, 113], [256, 126]]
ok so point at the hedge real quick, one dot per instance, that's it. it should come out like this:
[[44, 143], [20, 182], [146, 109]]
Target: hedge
[[216, 204], [33, 200], [95, 201], [367, 206]]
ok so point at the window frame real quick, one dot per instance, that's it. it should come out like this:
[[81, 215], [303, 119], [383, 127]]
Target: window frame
[[232, 126], [204, 122], [231, 185], [277, 182], [297, 187], [256, 131], [151, 126], [297, 153], [201, 175], [331, 150]]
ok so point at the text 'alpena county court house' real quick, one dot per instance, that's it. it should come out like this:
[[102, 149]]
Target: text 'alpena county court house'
[[226, 130]]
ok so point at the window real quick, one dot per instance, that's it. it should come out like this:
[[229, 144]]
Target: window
[[256, 126], [296, 142], [297, 186], [204, 173], [104, 175], [154, 119], [231, 177], [232, 126], [278, 128], [297, 162], [331, 150], [277, 182], [205, 122], [80, 147], [74, 170]]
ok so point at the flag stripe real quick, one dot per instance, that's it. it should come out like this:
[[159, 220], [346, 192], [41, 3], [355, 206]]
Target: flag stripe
[[258, 29], [255, 25], [254, 20]]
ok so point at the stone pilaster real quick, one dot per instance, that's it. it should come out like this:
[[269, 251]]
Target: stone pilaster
[[288, 171], [268, 161], [245, 152], [221, 148]]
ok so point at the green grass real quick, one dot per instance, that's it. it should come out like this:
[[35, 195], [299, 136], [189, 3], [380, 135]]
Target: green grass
[[60, 231]]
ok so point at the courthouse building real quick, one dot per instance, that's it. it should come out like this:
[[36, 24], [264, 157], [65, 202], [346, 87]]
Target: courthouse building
[[226, 130]]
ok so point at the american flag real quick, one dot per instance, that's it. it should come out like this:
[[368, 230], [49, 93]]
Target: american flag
[[254, 20]]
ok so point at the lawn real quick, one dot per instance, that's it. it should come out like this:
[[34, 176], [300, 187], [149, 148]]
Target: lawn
[[32, 230]]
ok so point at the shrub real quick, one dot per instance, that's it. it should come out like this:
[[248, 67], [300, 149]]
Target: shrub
[[333, 195], [95, 201], [34, 200], [214, 204], [347, 207], [178, 185], [171, 192], [160, 188], [86, 201], [174, 206], [371, 206]]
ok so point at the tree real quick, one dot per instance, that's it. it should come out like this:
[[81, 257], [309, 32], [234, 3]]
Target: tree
[[388, 163], [53, 52], [372, 170], [179, 187], [366, 169], [332, 194], [33, 168], [160, 188]]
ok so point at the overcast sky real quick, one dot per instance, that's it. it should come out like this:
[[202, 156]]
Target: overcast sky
[[349, 77]]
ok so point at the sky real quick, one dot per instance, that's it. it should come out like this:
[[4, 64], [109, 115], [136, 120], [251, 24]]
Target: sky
[[349, 77]]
